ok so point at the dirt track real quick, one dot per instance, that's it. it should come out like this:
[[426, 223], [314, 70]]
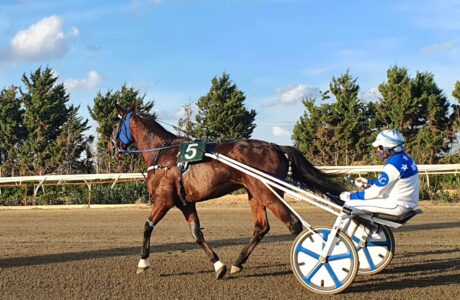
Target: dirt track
[[93, 253]]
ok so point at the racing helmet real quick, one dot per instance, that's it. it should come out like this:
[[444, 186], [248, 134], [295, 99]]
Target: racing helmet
[[390, 139]]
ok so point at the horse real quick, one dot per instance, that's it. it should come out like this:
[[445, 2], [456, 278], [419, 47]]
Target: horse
[[210, 179]]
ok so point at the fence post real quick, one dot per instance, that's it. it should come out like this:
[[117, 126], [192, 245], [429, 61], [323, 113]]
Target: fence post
[[89, 193], [25, 195]]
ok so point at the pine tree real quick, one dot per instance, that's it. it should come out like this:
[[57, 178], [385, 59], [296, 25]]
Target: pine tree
[[104, 112], [418, 108], [185, 124], [349, 120], [399, 108], [71, 143], [455, 121], [435, 136], [337, 132], [313, 131], [11, 130], [221, 113], [455, 116], [46, 115]]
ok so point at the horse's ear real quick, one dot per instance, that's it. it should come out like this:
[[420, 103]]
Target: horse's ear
[[120, 110]]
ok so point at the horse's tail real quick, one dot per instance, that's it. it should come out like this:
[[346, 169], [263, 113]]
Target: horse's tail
[[316, 180]]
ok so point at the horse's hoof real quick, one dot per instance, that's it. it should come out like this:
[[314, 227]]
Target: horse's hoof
[[220, 269], [235, 269], [143, 265], [141, 270], [220, 273]]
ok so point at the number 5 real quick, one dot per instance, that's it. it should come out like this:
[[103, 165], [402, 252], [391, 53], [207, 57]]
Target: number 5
[[190, 152]]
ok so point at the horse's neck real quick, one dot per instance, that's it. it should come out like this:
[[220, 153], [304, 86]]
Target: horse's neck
[[148, 134]]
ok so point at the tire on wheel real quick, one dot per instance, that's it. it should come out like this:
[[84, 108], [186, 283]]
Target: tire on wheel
[[336, 273], [377, 252]]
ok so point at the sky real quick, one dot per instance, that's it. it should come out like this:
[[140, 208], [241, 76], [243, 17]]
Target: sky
[[276, 51]]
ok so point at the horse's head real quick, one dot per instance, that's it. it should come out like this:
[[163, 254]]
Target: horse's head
[[121, 133]]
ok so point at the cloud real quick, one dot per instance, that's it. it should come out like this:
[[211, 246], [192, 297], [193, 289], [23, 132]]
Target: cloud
[[437, 48], [42, 40], [293, 94], [278, 131], [371, 95], [92, 80]]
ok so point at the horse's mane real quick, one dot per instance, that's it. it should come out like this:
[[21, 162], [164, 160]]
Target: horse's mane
[[153, 126]]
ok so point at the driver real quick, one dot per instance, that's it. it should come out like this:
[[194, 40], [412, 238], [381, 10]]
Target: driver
[[396, 191]]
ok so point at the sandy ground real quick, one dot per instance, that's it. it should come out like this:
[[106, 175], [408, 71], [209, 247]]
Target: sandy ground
[[93, 252]]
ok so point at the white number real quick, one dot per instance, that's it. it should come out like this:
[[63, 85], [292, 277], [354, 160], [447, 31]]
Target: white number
[[191, 148]]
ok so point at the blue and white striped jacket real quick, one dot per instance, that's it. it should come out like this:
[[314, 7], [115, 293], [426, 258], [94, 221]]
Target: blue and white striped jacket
[[398, 182]]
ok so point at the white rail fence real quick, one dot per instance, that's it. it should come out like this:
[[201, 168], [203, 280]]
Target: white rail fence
[[90, 179]]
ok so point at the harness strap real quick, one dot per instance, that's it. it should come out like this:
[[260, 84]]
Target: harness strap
[[182, 195], [154, 167]]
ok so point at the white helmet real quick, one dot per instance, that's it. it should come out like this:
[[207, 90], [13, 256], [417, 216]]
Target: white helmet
[[390, 139]]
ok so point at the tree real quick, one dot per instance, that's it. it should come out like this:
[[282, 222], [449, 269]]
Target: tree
[[399, 108], [418, 108], [221, 113], [338, 132], [455, 116], [104, 112], [455, 120], [185, 124], [46, 115], [350, 120], [71, 143], [313, 131], [436, 134], [11, 130]]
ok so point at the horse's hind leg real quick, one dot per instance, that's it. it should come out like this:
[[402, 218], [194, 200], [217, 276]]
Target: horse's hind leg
[[158, 212], [284, 215], [191, 216], [261, 227]]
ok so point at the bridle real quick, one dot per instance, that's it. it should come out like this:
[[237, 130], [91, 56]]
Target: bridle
[[123, 134], [116, 137]]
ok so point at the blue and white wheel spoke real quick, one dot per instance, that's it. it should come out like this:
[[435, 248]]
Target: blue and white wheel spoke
[[307, 252]]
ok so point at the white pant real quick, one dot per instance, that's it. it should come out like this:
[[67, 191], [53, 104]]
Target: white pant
[[384, 206]]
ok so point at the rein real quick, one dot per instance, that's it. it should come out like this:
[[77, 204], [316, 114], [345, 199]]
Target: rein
[[146, 150]]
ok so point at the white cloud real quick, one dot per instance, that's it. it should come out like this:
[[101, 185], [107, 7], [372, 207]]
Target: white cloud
[[292, 95], [295, 93], [42, 40], [278, 131], [436, 48], [372, 95], [92, 80]]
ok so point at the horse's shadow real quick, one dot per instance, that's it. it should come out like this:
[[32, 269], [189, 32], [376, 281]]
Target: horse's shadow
[[129, 251], [425, 273]]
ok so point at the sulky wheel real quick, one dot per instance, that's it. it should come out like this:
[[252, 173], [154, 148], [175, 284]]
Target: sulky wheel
[[333, 275], [376, 253]]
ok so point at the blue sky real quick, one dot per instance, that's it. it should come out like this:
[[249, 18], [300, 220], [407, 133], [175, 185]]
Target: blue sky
[[276, 51]]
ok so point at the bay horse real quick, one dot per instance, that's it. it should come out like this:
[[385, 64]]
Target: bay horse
[[211, 179]]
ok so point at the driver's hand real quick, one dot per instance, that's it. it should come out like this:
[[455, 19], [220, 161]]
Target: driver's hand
[[345, 196], [361, 182]]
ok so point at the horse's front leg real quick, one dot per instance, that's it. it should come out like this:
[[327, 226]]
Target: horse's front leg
[[191, 216], [159, 210], [261, 228]]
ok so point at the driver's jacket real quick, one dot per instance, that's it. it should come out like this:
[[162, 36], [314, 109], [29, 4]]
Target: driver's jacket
[[398, 182]]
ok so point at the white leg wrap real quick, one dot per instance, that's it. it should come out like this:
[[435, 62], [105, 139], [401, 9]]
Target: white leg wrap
[[143, 263], [217, 265]]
